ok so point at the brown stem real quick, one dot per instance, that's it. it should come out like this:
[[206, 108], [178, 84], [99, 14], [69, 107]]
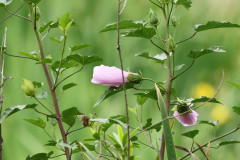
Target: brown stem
[[124, 85], [54, 97]]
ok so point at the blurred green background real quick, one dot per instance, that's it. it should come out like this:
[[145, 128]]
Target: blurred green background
[[22, 139]]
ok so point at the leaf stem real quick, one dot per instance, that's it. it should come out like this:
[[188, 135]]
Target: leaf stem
[[19, 56], [184, 70], [187, 38], [12, 13], [43, 105], [158, 46]]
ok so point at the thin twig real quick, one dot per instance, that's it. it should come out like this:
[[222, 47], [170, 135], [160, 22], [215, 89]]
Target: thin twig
[[75, 130], [46, 34], [41, 112], [17, 15], [158, 46], [43, 105], [12, 13], [184, 70], [187, 38], [57, 156], [100, 150], [155, 4], [20, 56]]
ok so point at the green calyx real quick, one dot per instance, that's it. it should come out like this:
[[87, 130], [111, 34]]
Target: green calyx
[[153, 20], [134, 78]]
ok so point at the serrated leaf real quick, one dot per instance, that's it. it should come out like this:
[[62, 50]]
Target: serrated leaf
[[51, 143], [215, 24], [141, 33], [39, 156], [69, 115], [42, 95], [190, 134], [57, 39], [184, 3], [236, 109], [234, 84], [34, 55], [210, 122], [84, 60], [205, 99], [45, 26], [125, 24], [112, 91], [69, 85], [197, 54], [159, 58], [178, 67], [39, 122], [228, 142], [78, 47], [4, 3], [9, 111]]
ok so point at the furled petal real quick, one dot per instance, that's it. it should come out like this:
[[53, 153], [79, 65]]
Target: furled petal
[[187, 119], [108, 76]]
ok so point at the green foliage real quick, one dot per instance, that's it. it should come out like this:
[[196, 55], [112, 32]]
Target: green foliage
[[215, 24], [150, 93], [42, 95], [45, 26], [190, 134], [236, 109], [40, 156], [51, 143], [69, 115], [67, 63], [34, 1], [143, 32], [9, 111], [179, 67], [37, 84], [141, 100], [234, 84], [69, 85], [111, 91], [125, 24], [184, 3], [228, 142], [34, 55], [159, 58], [205, 99], [119, 119], [210, 122], [79, 46], [149, 123], [4, 3], [197, 54], [65, 22], [39, 122], [84, 60], [57, 39]]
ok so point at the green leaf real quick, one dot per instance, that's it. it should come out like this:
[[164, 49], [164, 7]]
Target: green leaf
[[35, 1], [69, 85], [190, 134], [39, 122], [37, 84], [42, 95], [159, 58], [57, 39], [78, 47], [45, 26], [149, 123], [4, 3], [9, 111], [90, 154], [64, 21], [236, 109], [111, 91], [141, 100], [151, 93], [51, 143], [234, 84], [39, 156], [70, 146], [67, 63], [84, 60], [178, 67], [69, 115], [205, 99], [34, 55], [228, 142], [215, 24], [120, 133], [141, 33], [210, 122], [44, 61], [125, 24], [119, 119], [184, 3], [197, 54]]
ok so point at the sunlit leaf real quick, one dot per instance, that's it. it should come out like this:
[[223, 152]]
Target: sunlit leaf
[[45, 26], [70, 146], [190, 134], [151, 93], [35, 1], [37, 84], [57, 39], [67, 63], [119, 119], [184, 3], [177, 68], [141, 100], [39, 122], [4, 3], [9, 111], [34, 55], [234, 84], [215, 24], [78, 47], [64, 22], [197, 54], [159, 58], [210, 122], [140, 32], [125, 24], [44, 61]]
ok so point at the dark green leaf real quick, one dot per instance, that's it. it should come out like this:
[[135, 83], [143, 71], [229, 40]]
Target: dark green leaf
[[45, 26], [234, 84], [215, 24], [37, 84], [33, 55], [51, 143], [190, 134], [119, 119], [141, 33], [149, 123], [151, 93], [236, 109], [78, 47], [67, 63], [197, 54], [184, 3], [141, 100], [4, 3], [125, 24], [228, 142], [39, 122], [210, 122], [57, 39], [205, 99], [14, 109], [35, 1], [42, 95], [39, 156], [69, 85], [84, 60], [159, 58], [44, 61], [111, 91], [69, 115]]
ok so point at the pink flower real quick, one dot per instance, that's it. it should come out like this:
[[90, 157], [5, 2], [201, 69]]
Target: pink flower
[[108, 76], [187, 119]]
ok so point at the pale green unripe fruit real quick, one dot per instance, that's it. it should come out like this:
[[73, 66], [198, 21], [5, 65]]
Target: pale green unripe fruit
[[153, 20], [28, 88]]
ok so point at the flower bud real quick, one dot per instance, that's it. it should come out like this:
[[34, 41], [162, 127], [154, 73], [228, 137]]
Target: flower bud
[[174, 21], [134, 78], [171, 43], [28, 88], [153, 20]]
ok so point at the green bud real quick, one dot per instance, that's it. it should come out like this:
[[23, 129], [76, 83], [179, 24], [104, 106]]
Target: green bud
[[134, 78], [153, 20], [38, 13], [174, 21], [171, 43], [182, 108], [28, 88]]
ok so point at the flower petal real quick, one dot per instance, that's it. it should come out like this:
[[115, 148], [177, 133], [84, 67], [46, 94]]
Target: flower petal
[[187, 119]]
